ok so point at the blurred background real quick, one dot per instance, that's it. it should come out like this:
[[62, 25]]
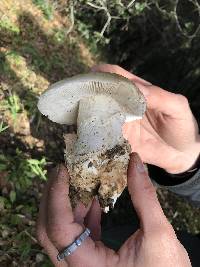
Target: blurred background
[[44, 41]]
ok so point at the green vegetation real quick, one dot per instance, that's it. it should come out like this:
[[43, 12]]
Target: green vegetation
[[46, 7], [6, 24], [20, 176], [13, 105], [37, 166], [3, 127], [158, 40], [21, 171]]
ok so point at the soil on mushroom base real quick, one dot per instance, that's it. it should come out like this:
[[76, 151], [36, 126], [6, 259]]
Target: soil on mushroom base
[[107, 179]]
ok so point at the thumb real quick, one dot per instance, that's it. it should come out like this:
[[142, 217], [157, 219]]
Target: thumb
[[144, 196], [163, 101]]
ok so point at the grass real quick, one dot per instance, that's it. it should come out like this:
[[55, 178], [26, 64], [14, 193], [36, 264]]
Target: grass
[[3, 127], [46, 8], [21, 170], [20, 174], [13, 105], [37, 167], [7, 24]]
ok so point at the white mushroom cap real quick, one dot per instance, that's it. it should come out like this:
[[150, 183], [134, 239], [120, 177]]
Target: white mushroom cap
[[61, 101]]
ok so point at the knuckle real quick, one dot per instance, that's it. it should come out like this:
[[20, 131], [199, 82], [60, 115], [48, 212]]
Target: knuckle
[[116, 66], [168, 231], [182, 99], [164, 232], [116, 69]]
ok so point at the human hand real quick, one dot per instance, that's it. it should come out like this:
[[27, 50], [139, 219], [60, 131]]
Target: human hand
[[168, 135], [153, 245]]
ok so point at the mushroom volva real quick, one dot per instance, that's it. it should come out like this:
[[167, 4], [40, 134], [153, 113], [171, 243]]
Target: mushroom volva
[[97, 156]]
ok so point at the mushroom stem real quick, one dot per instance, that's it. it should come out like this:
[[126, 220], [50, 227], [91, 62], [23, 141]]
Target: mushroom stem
[[99, 159], [99, 124]]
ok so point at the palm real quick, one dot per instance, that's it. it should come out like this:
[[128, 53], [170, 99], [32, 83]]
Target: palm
[[159, 134]]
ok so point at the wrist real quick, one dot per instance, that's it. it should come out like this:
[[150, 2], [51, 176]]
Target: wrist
[[184, 161]]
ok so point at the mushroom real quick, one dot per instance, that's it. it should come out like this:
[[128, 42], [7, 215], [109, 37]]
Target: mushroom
[[97, 156]]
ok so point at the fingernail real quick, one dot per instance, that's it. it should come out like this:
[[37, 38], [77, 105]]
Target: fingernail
[[138, 163], [144, 89]]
